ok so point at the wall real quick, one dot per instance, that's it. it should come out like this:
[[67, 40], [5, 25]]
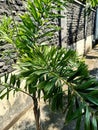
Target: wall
[[7, 52], [96, 30], [80, 28], [17, 7]]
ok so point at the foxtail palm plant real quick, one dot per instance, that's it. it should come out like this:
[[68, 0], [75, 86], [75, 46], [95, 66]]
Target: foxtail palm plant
[[48, 69]]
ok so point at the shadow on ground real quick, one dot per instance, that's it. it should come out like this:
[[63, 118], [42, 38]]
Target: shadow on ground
[[91, 57], [94, 72], [53, 121]]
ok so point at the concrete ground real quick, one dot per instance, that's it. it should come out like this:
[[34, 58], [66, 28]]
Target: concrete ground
[[92, 61], [20, 117]]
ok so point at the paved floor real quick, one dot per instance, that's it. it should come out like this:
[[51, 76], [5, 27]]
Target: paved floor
[[92, 61]]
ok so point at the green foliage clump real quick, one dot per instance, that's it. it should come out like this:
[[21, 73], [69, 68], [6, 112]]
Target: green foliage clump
[[49, 70]]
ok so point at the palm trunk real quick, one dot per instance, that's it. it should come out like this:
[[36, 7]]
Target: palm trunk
[[36, 110]]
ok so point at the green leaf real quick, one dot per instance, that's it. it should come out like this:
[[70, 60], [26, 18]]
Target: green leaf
[[6, 78], [38, 5], [18, 83], [12, 80], [87, 119], [90, 97], [87, 85], [78, 124], [40, 72], [45, 85], [94, 123], [32, 9], [49, 85], [93, 97], [5, 94], [75, 114], [70, 111], [57, 101], [28, 25], [25, 73], [31, 88]]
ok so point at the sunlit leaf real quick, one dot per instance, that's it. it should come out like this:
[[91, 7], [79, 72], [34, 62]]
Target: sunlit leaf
[[94, 123], [87, 119]]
